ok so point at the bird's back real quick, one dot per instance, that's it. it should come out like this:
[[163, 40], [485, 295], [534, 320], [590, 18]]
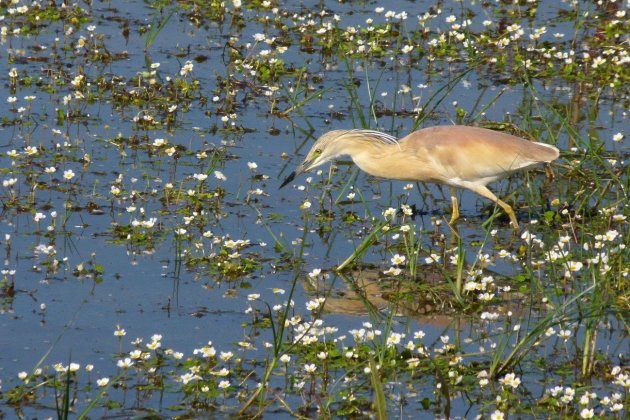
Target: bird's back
[[472, 154]]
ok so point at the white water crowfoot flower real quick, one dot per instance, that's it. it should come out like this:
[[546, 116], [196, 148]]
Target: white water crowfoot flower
[[102, 382], [159, 142], [200, 177], [572, 267], [310, 368], [564, 334], [188, 377], [314, 304], [125, 363], [587, 413], [68, 174], [394, 339], [392, 271], [510, 380], [497, 415], [186, 69], [398, 259], [206, 351]]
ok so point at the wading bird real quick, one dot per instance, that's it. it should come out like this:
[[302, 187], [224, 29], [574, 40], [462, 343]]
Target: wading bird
[[457, 156]]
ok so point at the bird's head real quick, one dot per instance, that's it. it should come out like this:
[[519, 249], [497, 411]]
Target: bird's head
[[326, 148]]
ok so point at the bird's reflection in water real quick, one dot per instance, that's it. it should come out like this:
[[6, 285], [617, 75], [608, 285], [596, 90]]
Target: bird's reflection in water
[[428, 299]]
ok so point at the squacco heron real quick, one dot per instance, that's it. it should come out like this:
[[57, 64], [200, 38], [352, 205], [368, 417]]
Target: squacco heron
[[457, 156]]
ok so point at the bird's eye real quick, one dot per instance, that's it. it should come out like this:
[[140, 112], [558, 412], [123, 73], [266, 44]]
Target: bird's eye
[[317, 152]]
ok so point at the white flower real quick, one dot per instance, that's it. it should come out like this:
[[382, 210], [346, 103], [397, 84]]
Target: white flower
[[573, 266], [564, 334], [398, 259], [392, 271], [598, 61], [9, 182], [187, 377], [102, 382], [219, 175], [390, 212], [224, 384], [310, 368], [187, 68], [497, 415], [394, 338], [312, 305], [125, 363], [611, 235], [511, 380], [68, 174], [587, 413]]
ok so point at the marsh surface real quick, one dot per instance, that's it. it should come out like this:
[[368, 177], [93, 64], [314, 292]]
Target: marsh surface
[[152, 266]]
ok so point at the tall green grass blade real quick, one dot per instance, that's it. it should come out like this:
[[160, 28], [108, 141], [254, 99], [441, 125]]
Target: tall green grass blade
[[363, 246], [156, 28], [380, 403]]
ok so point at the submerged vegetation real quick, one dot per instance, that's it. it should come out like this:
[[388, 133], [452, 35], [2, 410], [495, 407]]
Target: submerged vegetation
[[152, 268]]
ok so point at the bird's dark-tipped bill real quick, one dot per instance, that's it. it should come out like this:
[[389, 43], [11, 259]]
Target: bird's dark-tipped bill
[[288, 179]]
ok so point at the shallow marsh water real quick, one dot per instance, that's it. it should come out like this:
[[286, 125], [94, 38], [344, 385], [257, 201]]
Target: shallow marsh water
[[162, 216]]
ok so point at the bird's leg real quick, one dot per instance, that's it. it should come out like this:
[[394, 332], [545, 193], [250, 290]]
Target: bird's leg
[[549, 172], [510, 212], [485, 192], [455, 205]]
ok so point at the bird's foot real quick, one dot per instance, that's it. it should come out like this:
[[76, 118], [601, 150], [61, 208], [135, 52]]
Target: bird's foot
[[453, 228]]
